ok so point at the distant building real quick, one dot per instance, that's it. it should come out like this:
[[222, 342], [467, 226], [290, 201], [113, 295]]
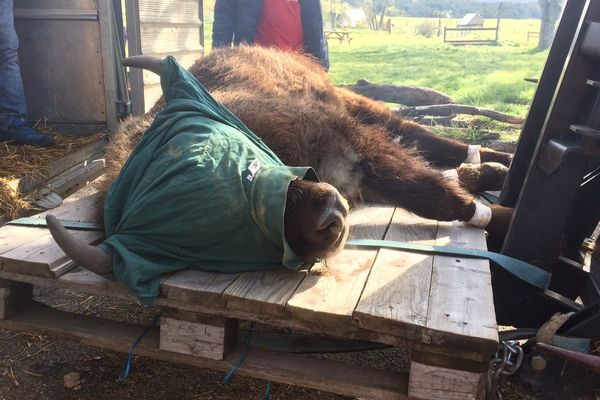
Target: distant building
[[471, 20], [352, 18]]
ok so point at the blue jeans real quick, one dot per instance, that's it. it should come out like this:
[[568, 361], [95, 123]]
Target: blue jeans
[[12, 95]]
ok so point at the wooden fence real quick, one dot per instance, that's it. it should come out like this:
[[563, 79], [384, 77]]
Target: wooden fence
[[465, 40]]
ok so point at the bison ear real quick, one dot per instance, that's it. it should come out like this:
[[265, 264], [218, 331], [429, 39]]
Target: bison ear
[[151, 63]]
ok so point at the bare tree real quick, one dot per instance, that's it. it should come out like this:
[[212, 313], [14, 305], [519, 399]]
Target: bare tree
[[374, 9], [551, 10]]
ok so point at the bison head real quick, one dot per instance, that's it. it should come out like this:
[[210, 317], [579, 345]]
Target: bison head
[[314, 222]]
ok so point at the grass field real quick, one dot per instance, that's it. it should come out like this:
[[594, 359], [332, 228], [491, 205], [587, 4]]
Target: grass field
[[485, 76]]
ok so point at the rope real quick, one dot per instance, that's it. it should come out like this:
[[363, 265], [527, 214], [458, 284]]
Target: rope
[[127, 366], [242, 357]]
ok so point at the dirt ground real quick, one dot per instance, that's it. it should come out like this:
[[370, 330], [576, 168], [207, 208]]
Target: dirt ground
[[33, 366]]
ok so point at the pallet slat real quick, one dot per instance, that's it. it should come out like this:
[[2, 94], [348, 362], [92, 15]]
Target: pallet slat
[[396, 296], [197, 287], [263, 292], [461, 300], [330, 291]]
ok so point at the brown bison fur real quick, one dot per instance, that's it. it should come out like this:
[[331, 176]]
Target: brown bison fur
[[356, 144]]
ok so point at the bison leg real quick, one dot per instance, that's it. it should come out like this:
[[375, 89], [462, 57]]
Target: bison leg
[[434, 148], [393, 174]]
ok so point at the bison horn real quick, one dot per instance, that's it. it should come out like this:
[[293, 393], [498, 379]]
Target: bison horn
[[151, 63], [89, 257]]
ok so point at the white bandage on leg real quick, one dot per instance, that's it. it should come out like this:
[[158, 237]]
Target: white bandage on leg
[[451, 174], [473, 156], [482, 216]]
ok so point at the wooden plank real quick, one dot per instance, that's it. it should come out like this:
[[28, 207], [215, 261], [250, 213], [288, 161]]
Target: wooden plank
[[291, 369], [263, 292], [56, 167], [197, 287], [80, 207], [162, 39], [427, 382], [78, 176], [169, 11], [461, 300], [396, 296], [330, 292], [33, 251], [43, 257]]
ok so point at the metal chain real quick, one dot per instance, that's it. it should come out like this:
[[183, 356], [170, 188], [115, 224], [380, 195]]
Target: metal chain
[[506, 362]]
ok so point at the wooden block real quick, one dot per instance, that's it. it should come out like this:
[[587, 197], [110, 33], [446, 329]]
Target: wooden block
[[13, 296], [428, 382], [211, 339]]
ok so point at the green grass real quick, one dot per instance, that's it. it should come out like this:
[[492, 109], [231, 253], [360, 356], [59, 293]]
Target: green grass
[[484, 76]]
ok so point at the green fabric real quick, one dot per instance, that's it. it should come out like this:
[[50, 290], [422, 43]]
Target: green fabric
[[187, 197]]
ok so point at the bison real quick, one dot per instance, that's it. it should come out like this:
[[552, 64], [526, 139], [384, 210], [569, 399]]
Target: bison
[[355, 144]]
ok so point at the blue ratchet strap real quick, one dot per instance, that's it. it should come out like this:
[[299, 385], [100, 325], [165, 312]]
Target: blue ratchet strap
[[529, 273], [127, 366], [242, 357], [492, 198], [67, 223]]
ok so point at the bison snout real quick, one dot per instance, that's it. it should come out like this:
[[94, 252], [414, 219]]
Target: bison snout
[[315, 224]]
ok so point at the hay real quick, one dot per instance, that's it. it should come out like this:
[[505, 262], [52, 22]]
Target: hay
[[12, 205], [30, 161], [22, 161]]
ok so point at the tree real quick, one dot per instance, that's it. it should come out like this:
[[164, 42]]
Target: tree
[[550, 10], [375, 11], [336, 8]]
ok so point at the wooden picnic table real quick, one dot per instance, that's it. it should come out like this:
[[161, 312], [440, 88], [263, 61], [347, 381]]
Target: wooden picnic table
[[441, 307], [340, 35]]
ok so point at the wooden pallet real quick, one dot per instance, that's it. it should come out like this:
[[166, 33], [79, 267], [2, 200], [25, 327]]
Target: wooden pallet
[[441, 307]]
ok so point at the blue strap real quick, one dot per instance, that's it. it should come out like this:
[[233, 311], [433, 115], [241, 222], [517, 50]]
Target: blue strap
[[492, 198], [127, 366], [267, 395], [529, 273], [242, 357]]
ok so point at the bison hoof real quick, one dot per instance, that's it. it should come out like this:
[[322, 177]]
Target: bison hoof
[[476, 178]]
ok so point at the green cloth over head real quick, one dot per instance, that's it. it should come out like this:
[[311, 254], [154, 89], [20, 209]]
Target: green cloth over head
[[199, 191]]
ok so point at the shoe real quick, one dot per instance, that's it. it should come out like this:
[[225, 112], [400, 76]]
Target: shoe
[[19, 134]]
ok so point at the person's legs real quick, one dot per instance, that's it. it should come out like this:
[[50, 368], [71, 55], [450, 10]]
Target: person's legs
[[12, 97], [13, 108]]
